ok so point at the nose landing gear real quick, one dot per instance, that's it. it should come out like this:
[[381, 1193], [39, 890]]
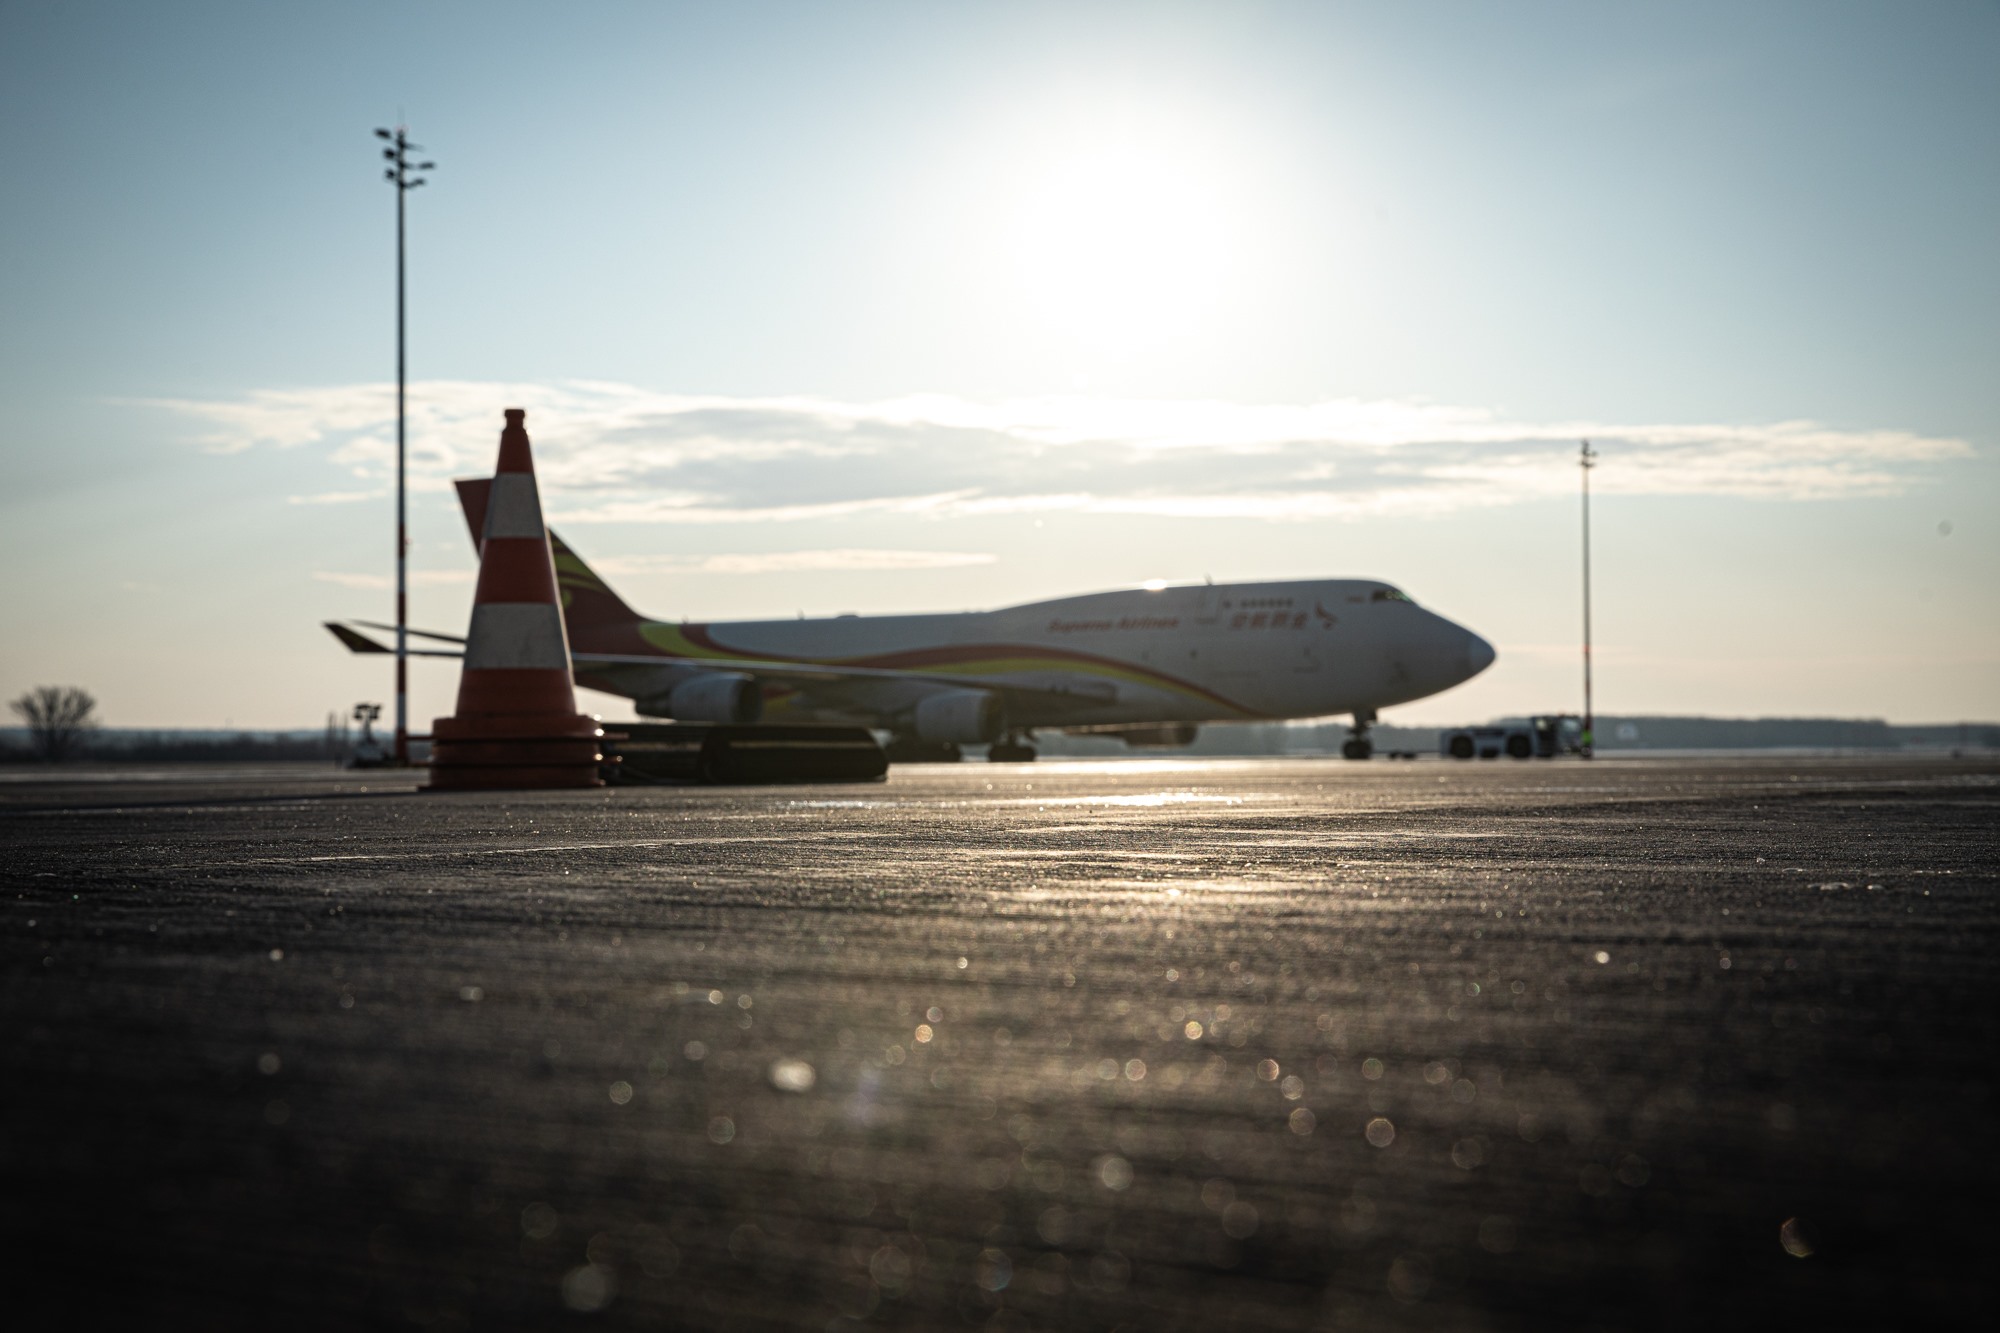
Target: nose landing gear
[[1357, 745]]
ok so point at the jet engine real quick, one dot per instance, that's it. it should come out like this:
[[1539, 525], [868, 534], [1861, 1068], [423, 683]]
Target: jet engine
[[961, 717], [712, 696]]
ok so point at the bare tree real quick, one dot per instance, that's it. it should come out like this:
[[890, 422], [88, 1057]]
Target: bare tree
[[58, 716]]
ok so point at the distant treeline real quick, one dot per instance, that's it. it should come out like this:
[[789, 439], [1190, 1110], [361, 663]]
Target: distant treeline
[[1770, 733], [143, 747], [1613, 733]]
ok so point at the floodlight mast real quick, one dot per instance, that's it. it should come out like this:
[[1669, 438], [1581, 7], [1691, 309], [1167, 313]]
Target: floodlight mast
[[400, 174], [1586, 460]]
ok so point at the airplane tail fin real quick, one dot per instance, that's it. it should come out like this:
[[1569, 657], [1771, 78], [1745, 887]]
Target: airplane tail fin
[[591, 610]]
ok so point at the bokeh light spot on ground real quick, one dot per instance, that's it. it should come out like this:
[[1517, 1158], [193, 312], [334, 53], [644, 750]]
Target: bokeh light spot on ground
[[790, 1075], [588, 1288]]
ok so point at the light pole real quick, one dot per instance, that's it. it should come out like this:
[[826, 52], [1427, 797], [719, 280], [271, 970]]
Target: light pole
[[1587, 460], [400, 175]]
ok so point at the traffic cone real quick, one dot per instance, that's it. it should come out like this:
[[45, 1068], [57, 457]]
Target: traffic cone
[[516, 724]]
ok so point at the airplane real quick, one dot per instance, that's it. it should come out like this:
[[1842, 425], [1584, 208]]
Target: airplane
[[1146, 665]]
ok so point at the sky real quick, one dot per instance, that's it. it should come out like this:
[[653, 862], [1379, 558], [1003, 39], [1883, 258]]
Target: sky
[[893, 307]]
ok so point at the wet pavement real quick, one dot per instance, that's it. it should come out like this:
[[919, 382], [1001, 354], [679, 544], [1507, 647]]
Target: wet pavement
[[1201, 1045]]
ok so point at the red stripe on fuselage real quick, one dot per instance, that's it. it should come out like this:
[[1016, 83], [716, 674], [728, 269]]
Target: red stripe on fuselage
[[916, 659]]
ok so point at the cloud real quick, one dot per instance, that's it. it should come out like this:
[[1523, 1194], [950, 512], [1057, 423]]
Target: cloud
[[335, 497], [837, 559], [420, 577], [773, 562], [616, 453]]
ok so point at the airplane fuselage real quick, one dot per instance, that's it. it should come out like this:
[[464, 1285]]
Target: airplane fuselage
[[1197, 653]]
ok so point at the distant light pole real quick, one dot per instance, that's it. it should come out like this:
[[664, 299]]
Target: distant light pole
[[1587, 460], [400, 175]]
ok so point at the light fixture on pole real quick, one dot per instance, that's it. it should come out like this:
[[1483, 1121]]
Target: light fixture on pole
[[1587, 460], [401, 174]]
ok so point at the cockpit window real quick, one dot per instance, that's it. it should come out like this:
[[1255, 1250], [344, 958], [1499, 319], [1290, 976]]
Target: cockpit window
[[1387, 595]]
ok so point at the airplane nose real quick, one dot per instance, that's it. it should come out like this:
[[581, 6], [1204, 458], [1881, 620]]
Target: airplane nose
[[1479, 654]]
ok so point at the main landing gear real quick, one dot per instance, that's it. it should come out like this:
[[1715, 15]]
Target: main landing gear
[[1012, 749], [910, 750], [1357, 745]]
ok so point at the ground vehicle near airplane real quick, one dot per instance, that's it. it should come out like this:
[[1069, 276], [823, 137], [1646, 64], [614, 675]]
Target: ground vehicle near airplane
[[1148, 664], [1543, 736]]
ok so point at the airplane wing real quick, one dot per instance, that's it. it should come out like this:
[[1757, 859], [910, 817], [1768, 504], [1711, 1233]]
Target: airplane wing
[[357, 642], [420, 633], [807, 676], [800, 675]]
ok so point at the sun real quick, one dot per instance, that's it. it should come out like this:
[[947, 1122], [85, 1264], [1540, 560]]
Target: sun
[[1125, 235]]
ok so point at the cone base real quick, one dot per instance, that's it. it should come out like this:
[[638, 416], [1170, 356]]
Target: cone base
[[512, 750], [514, 777], [520, 753], [516, 727]]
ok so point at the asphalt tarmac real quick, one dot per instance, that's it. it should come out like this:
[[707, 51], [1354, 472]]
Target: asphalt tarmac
[[1273, 1044]]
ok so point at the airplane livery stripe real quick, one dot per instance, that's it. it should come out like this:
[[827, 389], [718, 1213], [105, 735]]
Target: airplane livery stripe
[[695, 642]]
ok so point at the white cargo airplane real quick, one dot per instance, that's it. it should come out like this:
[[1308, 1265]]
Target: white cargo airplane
[[1145, 664]]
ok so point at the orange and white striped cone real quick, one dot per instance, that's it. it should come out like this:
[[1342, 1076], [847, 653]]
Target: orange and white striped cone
[[516, 724]]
